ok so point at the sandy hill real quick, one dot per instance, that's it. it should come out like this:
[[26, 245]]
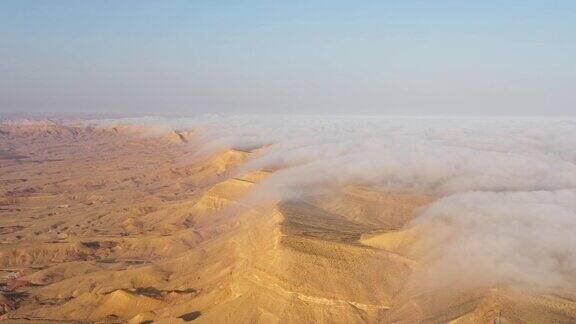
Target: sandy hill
[[110, 226]]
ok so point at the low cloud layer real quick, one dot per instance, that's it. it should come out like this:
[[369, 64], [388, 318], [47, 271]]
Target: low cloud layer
[[490, 238], [506, 188]]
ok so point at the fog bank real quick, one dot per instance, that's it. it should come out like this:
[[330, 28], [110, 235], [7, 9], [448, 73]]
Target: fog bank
[[506, 188]]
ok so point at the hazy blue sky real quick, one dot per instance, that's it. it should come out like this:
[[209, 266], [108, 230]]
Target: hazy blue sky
[[387, 57]]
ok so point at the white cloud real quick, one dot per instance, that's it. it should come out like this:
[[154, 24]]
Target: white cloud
[[506, 188]]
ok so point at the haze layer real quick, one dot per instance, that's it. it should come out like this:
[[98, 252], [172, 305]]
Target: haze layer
[[288, 219]]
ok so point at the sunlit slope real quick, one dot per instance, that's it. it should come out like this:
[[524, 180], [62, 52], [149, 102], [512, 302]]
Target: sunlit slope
[[139, 231]]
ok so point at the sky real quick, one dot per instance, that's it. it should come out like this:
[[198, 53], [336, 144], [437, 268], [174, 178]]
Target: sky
[[405, 57]]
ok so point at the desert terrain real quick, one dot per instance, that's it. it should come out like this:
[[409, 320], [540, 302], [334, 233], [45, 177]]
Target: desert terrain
[[118, 224]]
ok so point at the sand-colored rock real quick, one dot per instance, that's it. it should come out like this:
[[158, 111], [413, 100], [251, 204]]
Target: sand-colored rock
[[122, 224]]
